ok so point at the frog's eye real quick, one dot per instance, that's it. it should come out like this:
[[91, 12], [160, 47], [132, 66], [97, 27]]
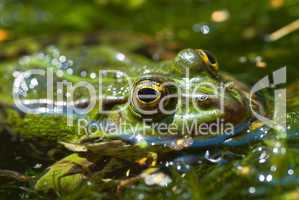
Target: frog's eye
[[146, 96], [209, 59], [148, 92], [151, 97]]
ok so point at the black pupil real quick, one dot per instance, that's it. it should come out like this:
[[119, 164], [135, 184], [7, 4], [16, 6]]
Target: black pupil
[[211, 57], [147, 95]]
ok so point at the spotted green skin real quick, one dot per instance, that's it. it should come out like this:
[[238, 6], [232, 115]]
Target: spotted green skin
[[48, 129], [37, 126]]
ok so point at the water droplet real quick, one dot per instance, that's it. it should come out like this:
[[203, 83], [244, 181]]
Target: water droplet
[[119, 74], [211, 159], [139, 138], [205, 29], [160, 179], [252, 190], [146, 71], [140, 196], [262, 178], [89, 183], [120, 57], [62, 59], [70, 71], [273, 168], [83, 73], [33, 83], [68, 94], [55, 62], [59, 73], [93, 75], [291, 172], [37, 166], [242, 59], [269, 178]]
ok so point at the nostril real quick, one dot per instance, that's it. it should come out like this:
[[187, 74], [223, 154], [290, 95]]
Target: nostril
[[148, 95]]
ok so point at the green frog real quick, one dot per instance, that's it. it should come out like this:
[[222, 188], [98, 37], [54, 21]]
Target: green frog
[[148, 116]]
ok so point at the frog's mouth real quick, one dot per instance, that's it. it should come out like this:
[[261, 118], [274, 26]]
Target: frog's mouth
[[224, 140]]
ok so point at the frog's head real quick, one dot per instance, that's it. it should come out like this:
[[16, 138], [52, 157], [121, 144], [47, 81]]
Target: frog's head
[[178, 103]]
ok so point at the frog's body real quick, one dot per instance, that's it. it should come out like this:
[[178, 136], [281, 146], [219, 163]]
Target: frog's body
[[143, 133]]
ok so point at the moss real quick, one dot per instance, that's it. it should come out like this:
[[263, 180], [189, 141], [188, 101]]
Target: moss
[[64, 176], [41, 127]]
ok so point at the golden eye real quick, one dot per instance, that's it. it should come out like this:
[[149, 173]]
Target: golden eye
[[208, 59], [148, 93], [149, 96]]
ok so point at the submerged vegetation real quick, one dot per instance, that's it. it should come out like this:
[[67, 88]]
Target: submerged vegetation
[[81, 36]]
